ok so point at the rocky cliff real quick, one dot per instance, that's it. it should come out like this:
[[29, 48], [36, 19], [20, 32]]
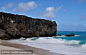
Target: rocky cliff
[[16, 26]]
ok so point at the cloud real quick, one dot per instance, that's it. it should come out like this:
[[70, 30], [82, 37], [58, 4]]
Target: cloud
[[3, 8], [80, 1], [10, 5], [50, 12], [65, 10], [40, 4], [57, 9], [71, 25], [83, 17], [62, 25], [26, 6], [76, 25], [51, 9], [81, 13], [36, 12]]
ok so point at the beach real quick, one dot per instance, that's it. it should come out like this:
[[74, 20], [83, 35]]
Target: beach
[[56, 45], [4, 45], [8, 47]]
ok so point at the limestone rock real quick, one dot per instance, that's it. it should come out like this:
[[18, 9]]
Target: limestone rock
[[20, 25], [14, 33], [3, 35]]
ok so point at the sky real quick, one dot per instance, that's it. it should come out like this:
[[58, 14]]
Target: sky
[[70, 15]]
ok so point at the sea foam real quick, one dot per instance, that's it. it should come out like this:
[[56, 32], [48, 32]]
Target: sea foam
[[54, 45], [84, 46]]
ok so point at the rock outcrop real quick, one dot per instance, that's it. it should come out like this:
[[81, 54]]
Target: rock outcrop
[[59, 35], [3, 35], [13, 32], [70, 34], [20, 25]]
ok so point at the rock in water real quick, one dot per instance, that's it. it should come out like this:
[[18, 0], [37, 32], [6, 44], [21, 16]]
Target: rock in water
[[20, 25], [70, 34], [59, 35]]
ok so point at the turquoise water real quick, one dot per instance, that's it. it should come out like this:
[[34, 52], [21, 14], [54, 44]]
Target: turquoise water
[[80, 36], [74, 45]]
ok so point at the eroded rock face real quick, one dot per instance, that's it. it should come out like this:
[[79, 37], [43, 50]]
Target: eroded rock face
[[13, 32], [4, 36], [16, 25]]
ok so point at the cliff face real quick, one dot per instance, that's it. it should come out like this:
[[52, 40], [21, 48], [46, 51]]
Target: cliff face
[[20, 25]]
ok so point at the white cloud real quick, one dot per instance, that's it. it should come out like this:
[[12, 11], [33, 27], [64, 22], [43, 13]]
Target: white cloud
[[50, 9], [57, 9], [3, 8], [10, 5], [50, 12], [26, 6], [65, 10]]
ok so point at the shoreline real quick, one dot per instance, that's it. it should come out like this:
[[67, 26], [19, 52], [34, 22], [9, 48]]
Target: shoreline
[[37, 51], [2, 48]]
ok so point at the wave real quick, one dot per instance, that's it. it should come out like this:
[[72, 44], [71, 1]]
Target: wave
[[84, 46], [53, 40], [54, 45], [60, 36], [75, 45], [77, 35]]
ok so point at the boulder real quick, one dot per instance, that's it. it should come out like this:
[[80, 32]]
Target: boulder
[[70, 34], [4, 36]]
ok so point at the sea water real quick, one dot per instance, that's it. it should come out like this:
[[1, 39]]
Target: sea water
[[74, 45]]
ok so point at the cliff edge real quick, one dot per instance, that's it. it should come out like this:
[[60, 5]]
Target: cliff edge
[[16, 26]]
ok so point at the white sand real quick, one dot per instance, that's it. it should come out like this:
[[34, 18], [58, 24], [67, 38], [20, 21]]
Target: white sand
[[10, 48]]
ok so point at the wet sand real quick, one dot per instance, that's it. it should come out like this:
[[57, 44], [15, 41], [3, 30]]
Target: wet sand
[[4, 45]]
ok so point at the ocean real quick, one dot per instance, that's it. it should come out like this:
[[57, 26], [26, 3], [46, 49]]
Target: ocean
[[74, 45]]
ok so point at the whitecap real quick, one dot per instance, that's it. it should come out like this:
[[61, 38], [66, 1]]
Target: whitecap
[[53, 40], [77, 35], [72, 42], [55, 45], [84, 46], [60, 36]]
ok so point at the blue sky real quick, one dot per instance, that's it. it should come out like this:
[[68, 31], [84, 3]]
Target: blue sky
[[70, 15]]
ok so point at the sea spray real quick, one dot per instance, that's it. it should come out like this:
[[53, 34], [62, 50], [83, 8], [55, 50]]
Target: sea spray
[[74, 45]]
